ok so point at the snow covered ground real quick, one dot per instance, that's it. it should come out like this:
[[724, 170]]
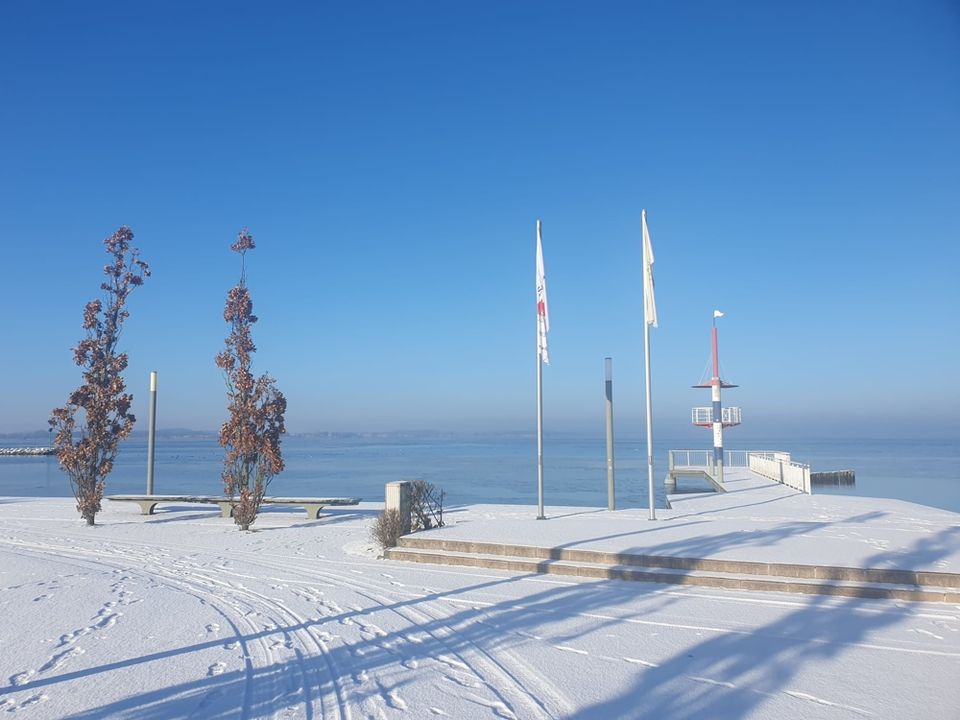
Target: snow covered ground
[[180, 615]]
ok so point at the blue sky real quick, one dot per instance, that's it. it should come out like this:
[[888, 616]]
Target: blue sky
[[799, 163]]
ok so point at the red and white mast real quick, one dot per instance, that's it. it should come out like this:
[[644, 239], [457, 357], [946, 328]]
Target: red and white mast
[[716, 416]]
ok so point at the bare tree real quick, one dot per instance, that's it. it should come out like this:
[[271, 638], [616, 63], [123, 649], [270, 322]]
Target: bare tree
[[101, 399], [251, 434]]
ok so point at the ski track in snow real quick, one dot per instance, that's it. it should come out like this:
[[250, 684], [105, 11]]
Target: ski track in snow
[[267, 620]]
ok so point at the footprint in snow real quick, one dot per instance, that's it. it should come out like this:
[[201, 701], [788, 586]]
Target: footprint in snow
[[372, 630], [462, 681], [59, 659], [395, 701], [105, 621], [32, 700], [501, 710], [21, 678], [570, 649], [921, 631], [447, 660]]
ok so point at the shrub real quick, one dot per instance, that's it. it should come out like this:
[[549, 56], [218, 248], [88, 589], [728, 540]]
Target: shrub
[[387, 529]]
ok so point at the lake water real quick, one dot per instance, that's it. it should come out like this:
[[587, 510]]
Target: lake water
[[494, 468]]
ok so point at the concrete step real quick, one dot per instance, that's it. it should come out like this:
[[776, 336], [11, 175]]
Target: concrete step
[[733, 575]]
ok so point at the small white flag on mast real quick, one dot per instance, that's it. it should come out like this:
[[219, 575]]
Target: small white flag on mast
[[717, 313], [649, 301], [543, 310]]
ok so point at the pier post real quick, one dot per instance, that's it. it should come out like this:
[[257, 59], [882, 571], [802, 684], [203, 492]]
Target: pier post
[[608, 387], [717, 413]]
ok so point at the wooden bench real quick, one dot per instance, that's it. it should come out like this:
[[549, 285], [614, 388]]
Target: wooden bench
[[313, 506]]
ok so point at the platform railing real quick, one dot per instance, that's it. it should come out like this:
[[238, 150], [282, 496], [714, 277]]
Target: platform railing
[[691, 458], [731, 458], [704, 415], [779, 467]]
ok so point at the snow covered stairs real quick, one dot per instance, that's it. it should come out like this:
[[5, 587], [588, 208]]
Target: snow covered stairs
[[729, 574]]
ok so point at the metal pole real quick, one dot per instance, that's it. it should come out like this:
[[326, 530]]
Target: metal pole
[[611, 494], [151, 433], [540, 515], [715, 386], [646, 356]]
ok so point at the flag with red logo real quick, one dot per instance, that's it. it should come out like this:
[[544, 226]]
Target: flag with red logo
[[543, 311]]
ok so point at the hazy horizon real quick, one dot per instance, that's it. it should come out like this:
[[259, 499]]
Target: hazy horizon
[[623, 430]]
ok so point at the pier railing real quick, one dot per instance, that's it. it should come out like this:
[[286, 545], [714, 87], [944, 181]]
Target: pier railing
[[773, 464], [778, 466], [704, 458]]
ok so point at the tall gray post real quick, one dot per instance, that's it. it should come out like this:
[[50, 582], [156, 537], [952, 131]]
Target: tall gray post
[[152, 431], [608, 373]]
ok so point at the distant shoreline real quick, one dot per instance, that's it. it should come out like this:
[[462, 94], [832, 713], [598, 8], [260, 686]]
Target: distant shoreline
[[19, 451]]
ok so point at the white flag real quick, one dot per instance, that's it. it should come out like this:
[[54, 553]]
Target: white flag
[[717, 313], [649, 302], [543, 310]]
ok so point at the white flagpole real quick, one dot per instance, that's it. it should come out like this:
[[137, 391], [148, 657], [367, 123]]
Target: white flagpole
[[646, 356], [649, 318], [540, 515]]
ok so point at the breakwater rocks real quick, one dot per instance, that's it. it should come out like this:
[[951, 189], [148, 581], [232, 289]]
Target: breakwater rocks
[[28, 451], [834, 477]]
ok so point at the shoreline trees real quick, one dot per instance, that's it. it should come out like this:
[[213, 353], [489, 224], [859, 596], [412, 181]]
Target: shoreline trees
[[251, 433], [101, 401]]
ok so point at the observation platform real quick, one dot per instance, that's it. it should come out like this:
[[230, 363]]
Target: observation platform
[[758, 536]]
